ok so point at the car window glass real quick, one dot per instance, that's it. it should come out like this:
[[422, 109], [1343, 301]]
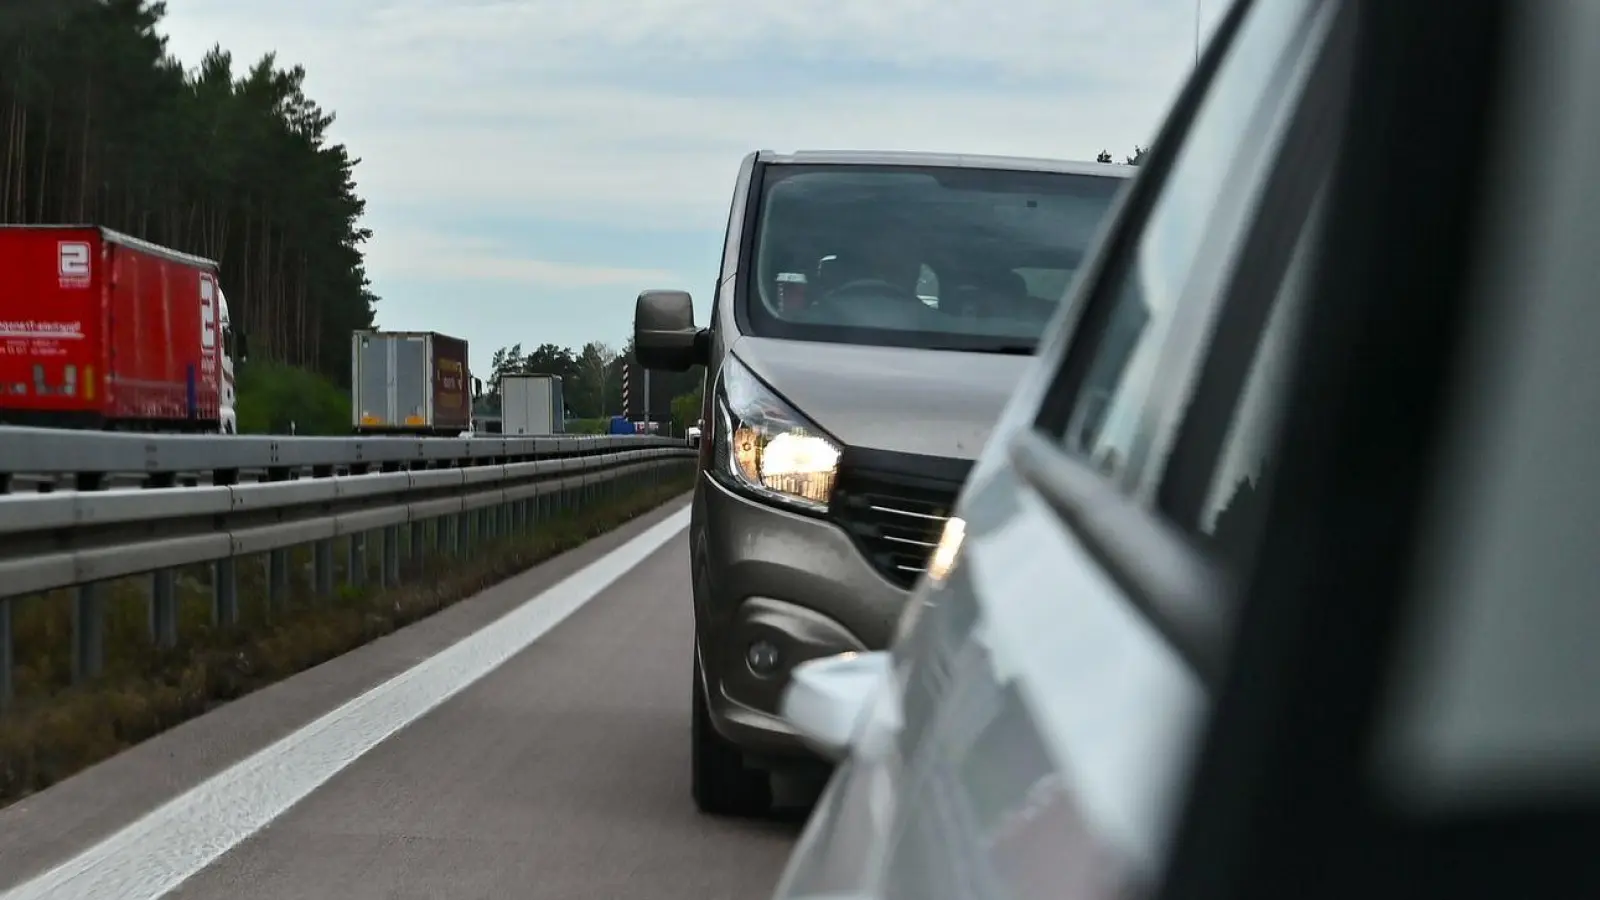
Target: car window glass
[[1191, 229], [928, 286], [1231, 516], [918, 256]]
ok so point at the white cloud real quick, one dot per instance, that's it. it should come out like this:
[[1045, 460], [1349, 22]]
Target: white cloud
[[1089, 75], [423, 254], [560, 109], [1023, 37], [595, 154]]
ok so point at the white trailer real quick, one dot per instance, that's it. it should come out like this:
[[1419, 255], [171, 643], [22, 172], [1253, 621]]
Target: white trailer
[[532, 405]]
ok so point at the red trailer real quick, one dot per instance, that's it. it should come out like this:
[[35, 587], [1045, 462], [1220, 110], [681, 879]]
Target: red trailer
[[102, 330]]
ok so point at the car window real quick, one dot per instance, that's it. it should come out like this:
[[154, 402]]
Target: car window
[[1162, 295], [1231, 516], [917, 256]]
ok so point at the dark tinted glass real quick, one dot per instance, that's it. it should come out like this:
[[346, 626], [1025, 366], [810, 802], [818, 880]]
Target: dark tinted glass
[[938, 257]]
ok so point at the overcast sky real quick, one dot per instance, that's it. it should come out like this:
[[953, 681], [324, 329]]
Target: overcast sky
[[530, 165]]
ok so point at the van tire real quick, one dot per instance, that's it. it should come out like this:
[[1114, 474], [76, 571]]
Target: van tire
[[718, 779]]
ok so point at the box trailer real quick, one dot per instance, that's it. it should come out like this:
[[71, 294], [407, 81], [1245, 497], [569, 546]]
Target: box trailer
[[409, 382], [102, 330], [532, 404]]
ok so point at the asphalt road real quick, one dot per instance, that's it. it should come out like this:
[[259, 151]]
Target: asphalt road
[[391, 773]]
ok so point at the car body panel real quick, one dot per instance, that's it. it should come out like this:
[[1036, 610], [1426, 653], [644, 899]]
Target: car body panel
[[766, 573], [994, 803], [890, 398], [947, 160]]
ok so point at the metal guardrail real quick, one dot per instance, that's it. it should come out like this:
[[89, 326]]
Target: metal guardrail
[[80, 509]]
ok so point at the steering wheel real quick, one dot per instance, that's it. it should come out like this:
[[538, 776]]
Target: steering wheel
[[875, 288]]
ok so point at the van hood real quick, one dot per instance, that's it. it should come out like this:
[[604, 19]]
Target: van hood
[[931, 402]]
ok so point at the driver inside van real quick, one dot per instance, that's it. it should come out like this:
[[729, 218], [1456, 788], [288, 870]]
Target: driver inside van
[[877, 255]]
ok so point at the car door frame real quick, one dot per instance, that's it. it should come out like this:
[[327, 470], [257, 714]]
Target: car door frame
[[1282, 799], [1179, 588]]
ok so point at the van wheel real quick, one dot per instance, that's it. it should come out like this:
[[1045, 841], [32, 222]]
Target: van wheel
[[718, 779]]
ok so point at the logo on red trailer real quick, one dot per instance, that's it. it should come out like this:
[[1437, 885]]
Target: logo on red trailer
[[210, 329], [73, 263]]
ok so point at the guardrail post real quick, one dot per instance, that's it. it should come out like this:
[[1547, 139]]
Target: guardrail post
[[391, 556], [88, 632], [355, 573], [163, 609], [277, 579], [322, 566], [225, 593], [411, 549], [6, 653]]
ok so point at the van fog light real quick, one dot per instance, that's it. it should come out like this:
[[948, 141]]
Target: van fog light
[[762, 657]]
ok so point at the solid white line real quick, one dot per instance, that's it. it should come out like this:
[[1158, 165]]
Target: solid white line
[[169, 845]]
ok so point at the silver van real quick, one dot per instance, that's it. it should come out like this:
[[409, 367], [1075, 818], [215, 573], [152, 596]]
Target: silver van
[[873, 313]]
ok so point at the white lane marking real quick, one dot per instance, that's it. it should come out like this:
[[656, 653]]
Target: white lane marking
[[173, 842]]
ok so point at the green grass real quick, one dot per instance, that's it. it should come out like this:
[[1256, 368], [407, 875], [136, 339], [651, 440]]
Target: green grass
[[55, 729], [587, 426]]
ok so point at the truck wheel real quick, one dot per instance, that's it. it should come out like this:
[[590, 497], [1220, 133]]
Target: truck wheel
[[718, 779]]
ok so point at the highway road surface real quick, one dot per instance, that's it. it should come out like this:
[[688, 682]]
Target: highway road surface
[[531, 742]]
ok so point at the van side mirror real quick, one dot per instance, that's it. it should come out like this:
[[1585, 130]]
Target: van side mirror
[[664, 334], [477, 388], [827, 698]]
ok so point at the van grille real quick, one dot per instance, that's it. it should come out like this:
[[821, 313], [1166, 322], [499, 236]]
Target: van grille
[[895, 519]]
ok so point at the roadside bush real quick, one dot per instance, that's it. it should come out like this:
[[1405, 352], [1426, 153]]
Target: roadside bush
[[274, 395]]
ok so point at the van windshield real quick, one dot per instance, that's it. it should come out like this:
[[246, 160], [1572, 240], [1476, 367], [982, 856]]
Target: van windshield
[[947, 258]]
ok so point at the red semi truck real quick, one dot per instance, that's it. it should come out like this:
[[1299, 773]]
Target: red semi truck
[[102, 330]]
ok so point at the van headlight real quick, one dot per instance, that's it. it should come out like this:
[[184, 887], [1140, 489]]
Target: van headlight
[[766, 448]]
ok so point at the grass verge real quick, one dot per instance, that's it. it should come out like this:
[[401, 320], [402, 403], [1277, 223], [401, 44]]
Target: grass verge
[[54, 731]]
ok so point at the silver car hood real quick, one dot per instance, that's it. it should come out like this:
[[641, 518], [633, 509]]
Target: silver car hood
[[932, 402]]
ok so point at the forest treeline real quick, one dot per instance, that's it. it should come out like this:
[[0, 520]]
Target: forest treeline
[[100, 125], [1134, 159]]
